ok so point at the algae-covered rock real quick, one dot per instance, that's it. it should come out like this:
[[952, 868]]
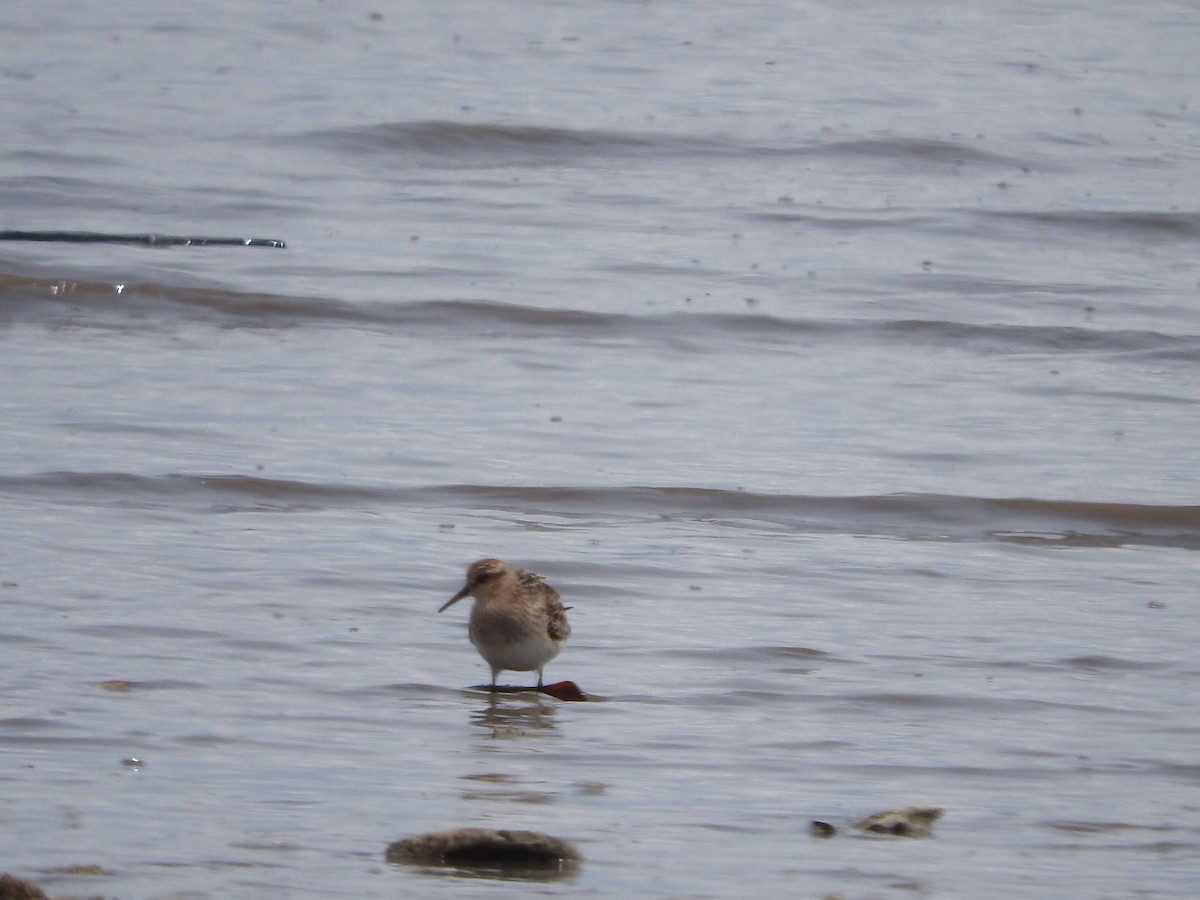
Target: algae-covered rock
[[915, 821]]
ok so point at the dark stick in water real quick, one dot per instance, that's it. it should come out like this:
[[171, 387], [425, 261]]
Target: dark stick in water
[[151, 240]]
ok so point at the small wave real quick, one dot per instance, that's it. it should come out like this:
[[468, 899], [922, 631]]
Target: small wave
[[132, 632], [455, 144], [219, 493], [48, 192], [1079, 826], [838, 220], [141, 306], [447, 144], [938, 517], [912, 151], [1111, 663], [1142, 224]]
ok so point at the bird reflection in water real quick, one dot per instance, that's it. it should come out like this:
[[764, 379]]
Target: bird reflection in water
[[510, 714]]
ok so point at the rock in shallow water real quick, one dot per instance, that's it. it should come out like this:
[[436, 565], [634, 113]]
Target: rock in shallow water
[[484, 848], [12, 888], [564, 690], [915, 821]]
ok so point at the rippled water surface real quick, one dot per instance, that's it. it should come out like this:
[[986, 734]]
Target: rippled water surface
[[838, 363]]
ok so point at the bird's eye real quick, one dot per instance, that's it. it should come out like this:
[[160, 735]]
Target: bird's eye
[[481, 577]]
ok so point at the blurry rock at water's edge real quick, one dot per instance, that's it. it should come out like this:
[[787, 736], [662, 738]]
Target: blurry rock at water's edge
[[12, 888], [915, 821], [484, 848]]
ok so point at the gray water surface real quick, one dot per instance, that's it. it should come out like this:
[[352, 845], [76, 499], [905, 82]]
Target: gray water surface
[[838, 363]]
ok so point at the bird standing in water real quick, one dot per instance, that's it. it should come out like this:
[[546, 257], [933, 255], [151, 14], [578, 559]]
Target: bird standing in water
[[518, 622]]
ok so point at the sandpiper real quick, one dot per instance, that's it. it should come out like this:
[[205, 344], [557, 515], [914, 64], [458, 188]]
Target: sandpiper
[[518, 622]]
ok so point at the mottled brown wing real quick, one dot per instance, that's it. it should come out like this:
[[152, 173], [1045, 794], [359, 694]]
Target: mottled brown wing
[[556, 615]]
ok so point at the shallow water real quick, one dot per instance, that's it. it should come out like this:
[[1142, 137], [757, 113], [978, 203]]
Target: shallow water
[[837, 364]]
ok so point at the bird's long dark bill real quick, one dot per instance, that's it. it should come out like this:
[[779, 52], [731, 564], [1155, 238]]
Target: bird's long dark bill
[[449, 603]]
